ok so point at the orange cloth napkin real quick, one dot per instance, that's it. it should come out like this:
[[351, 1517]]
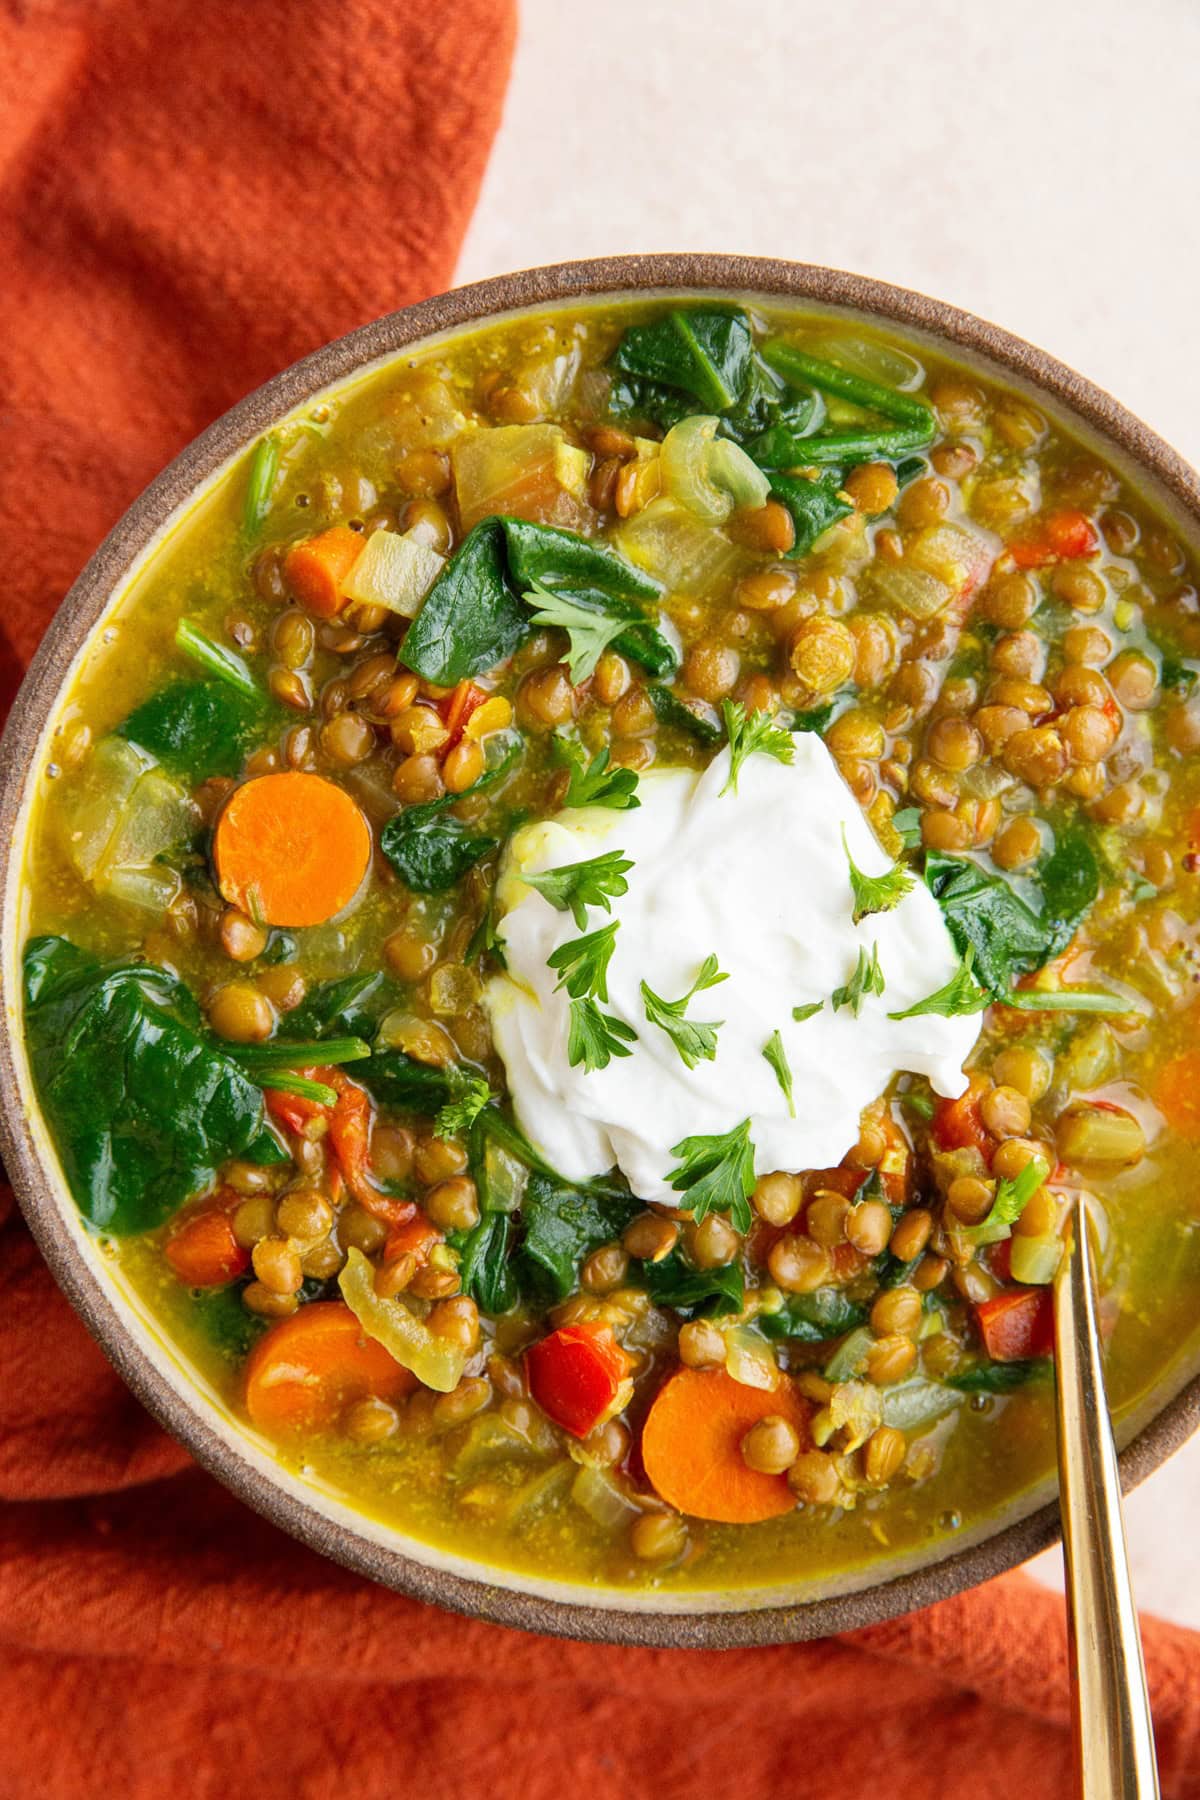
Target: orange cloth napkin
[[194, 193]]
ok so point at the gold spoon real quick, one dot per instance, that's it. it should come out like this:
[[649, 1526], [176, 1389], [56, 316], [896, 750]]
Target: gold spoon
[[1110, 1707]]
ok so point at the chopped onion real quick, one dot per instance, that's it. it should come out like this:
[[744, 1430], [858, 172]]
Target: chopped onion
[[918, 1401], [127, 813], [865, 356], [670, 543], [750, 1359], [707, 474], [912, 591], [540, 1494], [395, 570], [597, 1493], [491, 1439], [850, 1355], [434, 1360]]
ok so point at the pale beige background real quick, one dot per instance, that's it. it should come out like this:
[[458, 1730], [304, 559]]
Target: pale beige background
[[1033, 160]]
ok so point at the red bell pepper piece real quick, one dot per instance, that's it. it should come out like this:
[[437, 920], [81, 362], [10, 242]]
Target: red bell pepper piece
[[457, 708], [350, 1135], [575, 1374], [1017, 1324], [412, 1236], [1065, 537], [957, 1124]]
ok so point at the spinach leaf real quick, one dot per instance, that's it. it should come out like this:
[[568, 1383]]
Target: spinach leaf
[[814, 1317], [816, 720], [142, 1106], [349, 1007], [225, 1321], [698, 720], [563, 1224], [707, 354], [1070, 881], [395, 1079], [197, 728], [814, 504], [486, 1273], [998, 1377], [1008, 937], [982, 911], [475, 615], [675, 1283], [633, 397], [431, 851]]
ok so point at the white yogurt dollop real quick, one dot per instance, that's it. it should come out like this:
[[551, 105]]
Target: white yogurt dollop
[[758, 878]]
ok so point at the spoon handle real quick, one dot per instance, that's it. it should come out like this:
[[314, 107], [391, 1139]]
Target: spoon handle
[[1113, 1731]]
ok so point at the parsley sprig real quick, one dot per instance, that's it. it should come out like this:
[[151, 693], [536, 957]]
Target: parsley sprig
[[961, 995], [809, 1010], [594, 783], [749, 732], [1012, 1197], [866, 979], [875, 893], [469, 1094], [576, 886], [716, 1174], [776, 1056], [594, 1037], [589, 631], [695, 1039]]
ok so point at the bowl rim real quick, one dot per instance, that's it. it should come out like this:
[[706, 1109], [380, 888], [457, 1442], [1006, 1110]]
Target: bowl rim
[[192, 1420]]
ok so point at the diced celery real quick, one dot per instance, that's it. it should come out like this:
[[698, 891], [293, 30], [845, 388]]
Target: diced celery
[[91, 820], [605, 1503], [158, 816], [153, 889], [126, 814], [1035, 1260], [395, 570], [434, 1360]]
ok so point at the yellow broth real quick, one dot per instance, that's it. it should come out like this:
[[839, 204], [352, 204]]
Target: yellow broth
[[1035, 640]]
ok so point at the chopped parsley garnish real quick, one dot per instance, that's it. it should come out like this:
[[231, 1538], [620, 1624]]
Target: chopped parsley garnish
[[593, 1037], [716, 1174], [590, 632], [576, 886], [749, 732], [961, 995], [776, 1055], [469, 1095], [866, 979], [695, 1039], [582, 964], [808, 1011], [594, 783], [875, 893], [1012, 1197]]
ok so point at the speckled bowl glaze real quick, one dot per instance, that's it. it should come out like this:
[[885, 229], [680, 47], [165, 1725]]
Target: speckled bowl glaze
[[173, 1391]]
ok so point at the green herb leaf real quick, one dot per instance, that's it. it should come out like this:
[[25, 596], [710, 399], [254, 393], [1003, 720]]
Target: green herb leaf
[[470, 1093], [776, 1056], [921, 1104], [876, 893], [695, 1040], [749, 732], [582, 964], [695, 717], [808, 1011], [575, 886], [866, 979], [716, 1174], [998, 1378], [1010, 1202], [959, 996], [589, 630], [594, 783], [595, 1037]]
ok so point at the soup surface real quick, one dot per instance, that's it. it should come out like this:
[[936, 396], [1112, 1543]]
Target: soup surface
[[418, 829]]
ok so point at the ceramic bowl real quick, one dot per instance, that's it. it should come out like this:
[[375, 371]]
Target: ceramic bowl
[[158, 1373]]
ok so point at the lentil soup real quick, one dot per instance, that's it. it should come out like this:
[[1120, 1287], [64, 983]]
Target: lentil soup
[[534, 574]]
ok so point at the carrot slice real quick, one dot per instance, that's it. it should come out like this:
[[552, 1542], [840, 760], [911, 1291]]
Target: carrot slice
[[202, 1249], [1178, 1093], [691, 1446], [309, 1368], [291, 849], [316, 569]]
